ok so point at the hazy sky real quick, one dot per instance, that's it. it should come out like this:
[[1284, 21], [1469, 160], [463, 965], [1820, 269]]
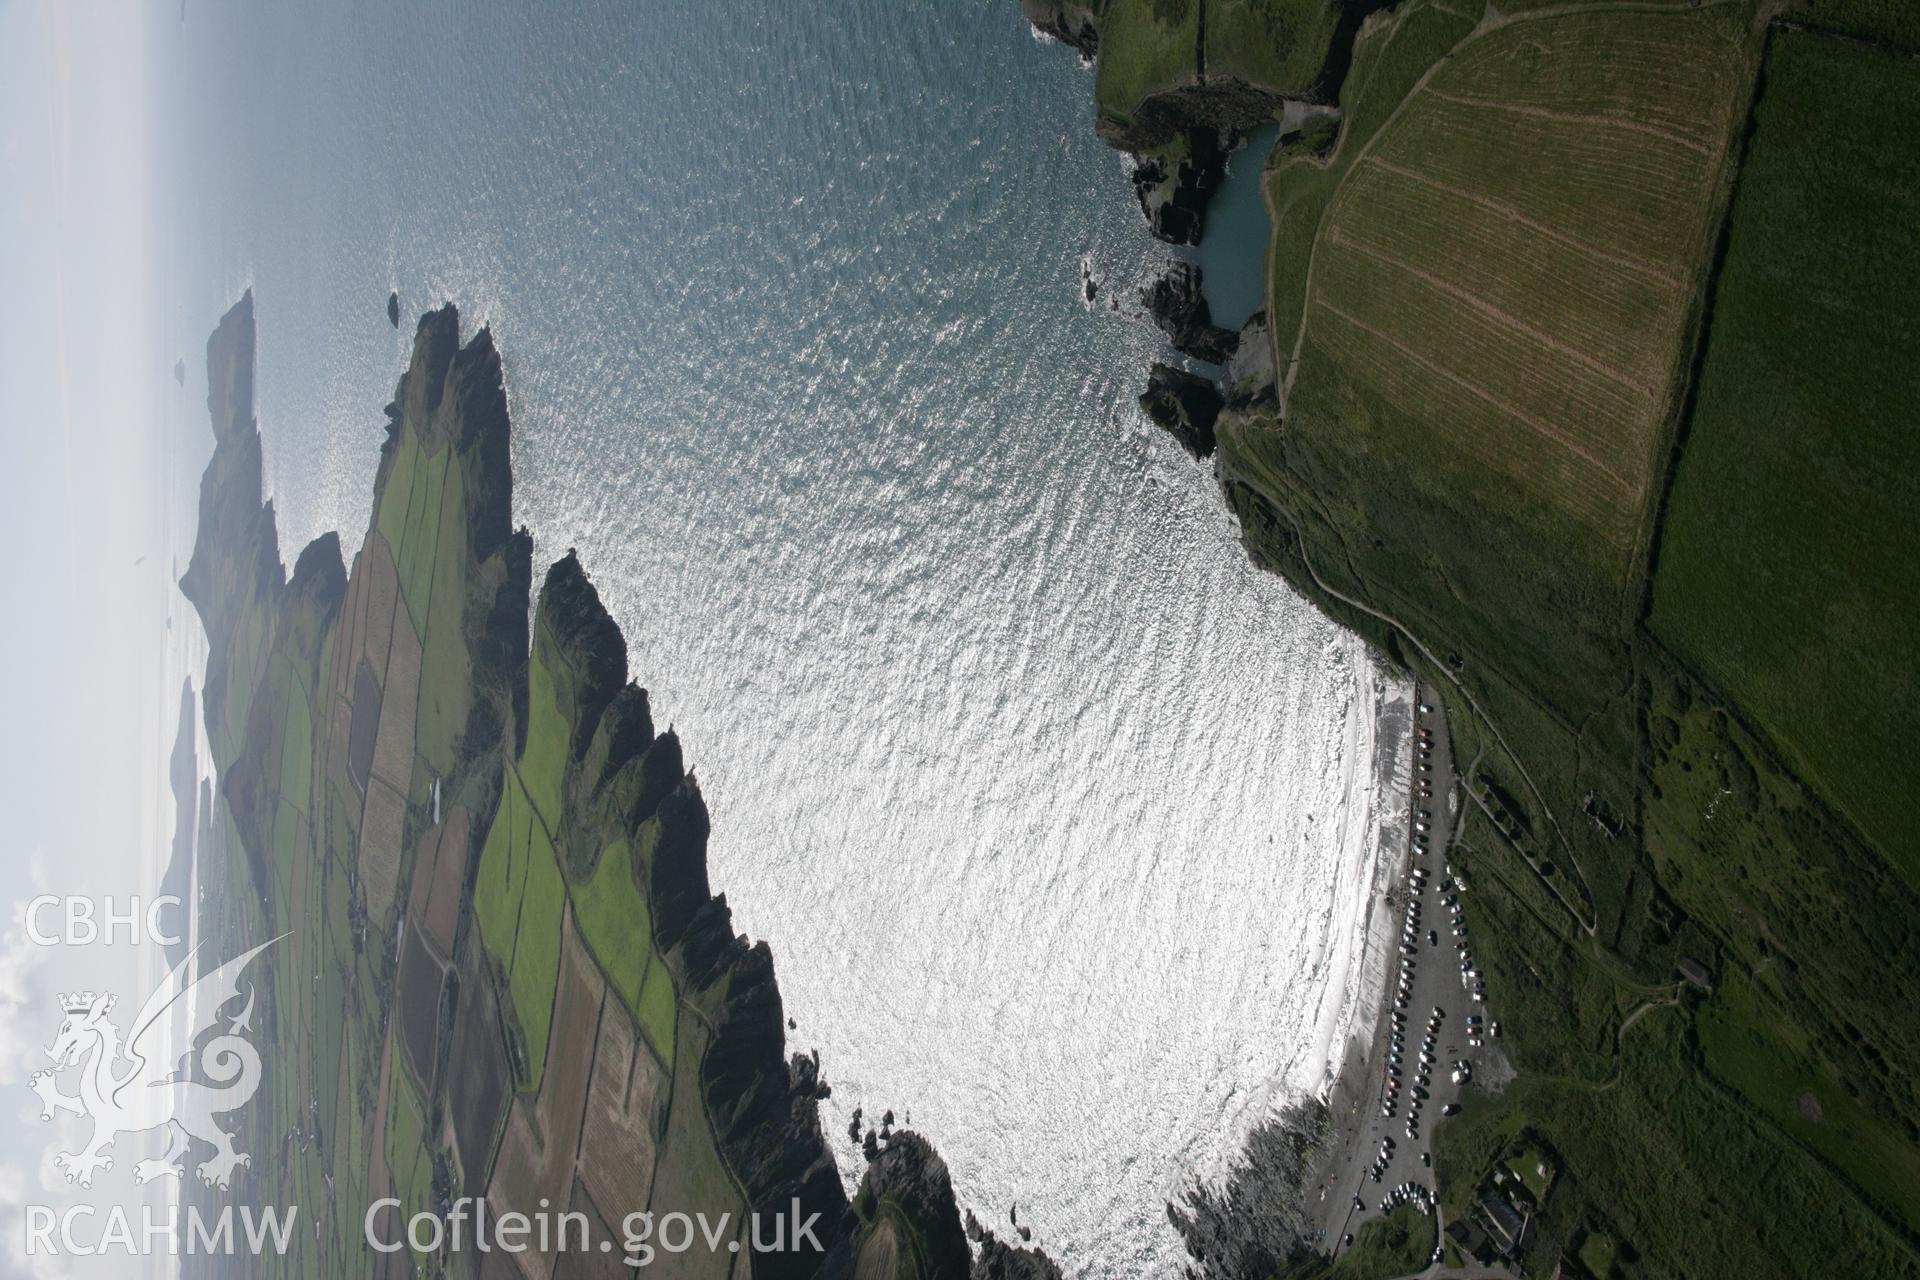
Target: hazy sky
[[92, 429]]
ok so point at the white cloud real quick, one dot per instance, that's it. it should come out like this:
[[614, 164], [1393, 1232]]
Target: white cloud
[[22, 984]]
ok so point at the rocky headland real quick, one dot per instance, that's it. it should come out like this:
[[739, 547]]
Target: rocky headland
[[465, 803], [1179, 307]]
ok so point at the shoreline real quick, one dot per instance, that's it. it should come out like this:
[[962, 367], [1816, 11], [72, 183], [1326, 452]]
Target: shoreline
[[1387, 810], [1269, 1196], [1346, 1059]]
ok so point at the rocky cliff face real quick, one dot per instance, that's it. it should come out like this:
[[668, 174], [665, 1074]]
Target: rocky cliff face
[[1067, 22], [1185, 405], [1175, 179], [499, 866], [1180, 308]]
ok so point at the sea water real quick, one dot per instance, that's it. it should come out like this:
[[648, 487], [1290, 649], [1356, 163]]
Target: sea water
[[1232, 252], [1054, 809]]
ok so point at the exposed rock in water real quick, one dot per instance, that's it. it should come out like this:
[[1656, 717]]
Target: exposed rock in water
[[999, 1261], [180, 372], [1180, 309], [1184, 404], [393, 309], [1174, 184], [1069, 23], [804, 1072]]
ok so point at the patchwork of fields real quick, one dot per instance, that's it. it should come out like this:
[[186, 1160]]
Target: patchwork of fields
[[503, 975]]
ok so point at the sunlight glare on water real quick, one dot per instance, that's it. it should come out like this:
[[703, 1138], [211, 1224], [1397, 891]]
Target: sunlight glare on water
[[1052, 807]]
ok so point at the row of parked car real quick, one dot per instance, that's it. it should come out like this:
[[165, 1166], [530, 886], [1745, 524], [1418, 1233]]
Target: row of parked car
[[1413, 1193], [1410, 945], [1470, 979]]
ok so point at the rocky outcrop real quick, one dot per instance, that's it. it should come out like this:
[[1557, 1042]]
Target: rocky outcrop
[[1180, 309], [907, 1189], [1251, 377], [235, 567], [768, 1126], [998, 1261], [1175, 181], [1071, 24], [1222, 108], [586, 636], [1184, 404], [393, 309]]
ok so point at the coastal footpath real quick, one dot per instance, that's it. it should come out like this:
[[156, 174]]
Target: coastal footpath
[[1585, 394], [502, 982]]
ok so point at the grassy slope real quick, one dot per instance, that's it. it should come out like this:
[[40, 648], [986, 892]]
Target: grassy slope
[[1399, 1244], [1278, 44], [1788, 571], [1152, 47], [1146, 47]]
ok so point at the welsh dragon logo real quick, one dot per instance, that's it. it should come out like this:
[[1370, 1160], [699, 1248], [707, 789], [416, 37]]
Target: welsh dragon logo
[[126, 1088]]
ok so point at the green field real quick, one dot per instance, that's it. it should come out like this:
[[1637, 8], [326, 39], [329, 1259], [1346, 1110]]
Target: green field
[[1397, 1244], [1274, 44], [1663, 1157], [1390, 56], [409, 1157], [1487, 298], [1752, 1048], [502, 879], [613, 918], [1483, 304], [536, 949], [1146, 47], [1787, 562], [1804, 919]]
